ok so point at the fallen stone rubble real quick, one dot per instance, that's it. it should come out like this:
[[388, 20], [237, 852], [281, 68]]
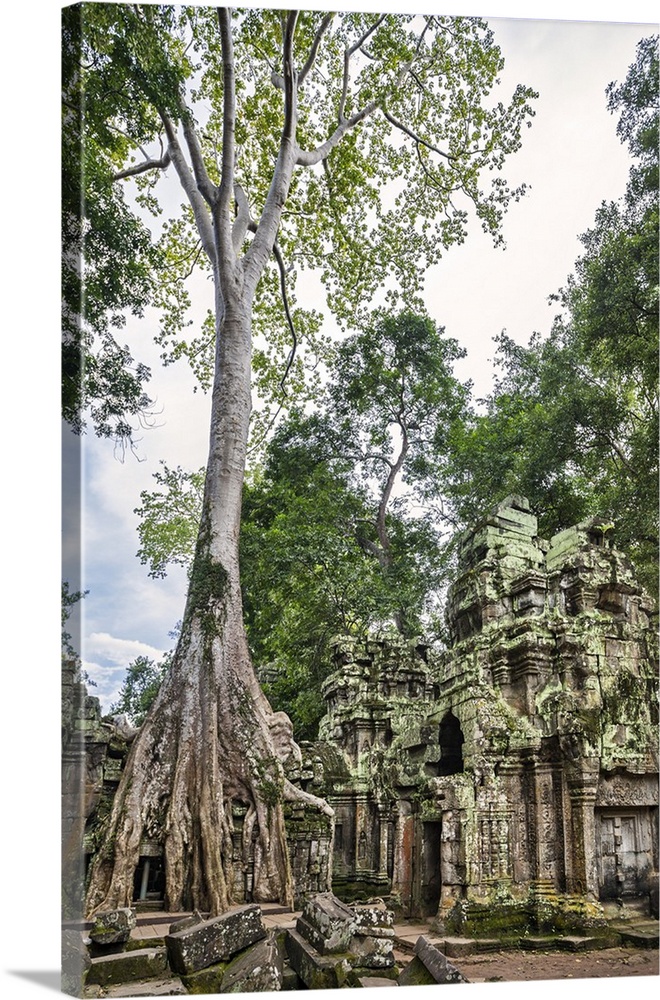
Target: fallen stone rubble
[[333, 945]]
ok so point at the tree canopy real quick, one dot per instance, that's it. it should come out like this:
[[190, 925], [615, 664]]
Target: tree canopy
[[573, 420]]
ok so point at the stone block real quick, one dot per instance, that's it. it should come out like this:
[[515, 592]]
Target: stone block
[[416, 974], [128, 967], [208, 980], [371, 982], [436, 963], [154, 988], [375, 920], [113, 926], [186, 923], [318, 972], [258, 969], [541, 943], [576, 943], [290, 979], [457, 947], [327, 923], [215, 940], [639, 938], [372, 952]]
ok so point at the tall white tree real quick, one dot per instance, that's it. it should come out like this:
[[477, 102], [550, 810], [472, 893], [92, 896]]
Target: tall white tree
[[284, 130]]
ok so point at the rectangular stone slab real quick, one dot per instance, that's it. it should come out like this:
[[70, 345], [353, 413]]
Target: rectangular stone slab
[[215, 940], [127, 967]]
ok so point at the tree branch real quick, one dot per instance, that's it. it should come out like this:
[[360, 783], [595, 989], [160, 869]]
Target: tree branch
[[289, 73], [413, 135], [348, 52], [313, 52], [197, 203], [243, 220], [207, 188], [308, 158], [287, 311], [223, 204], [141, 168]]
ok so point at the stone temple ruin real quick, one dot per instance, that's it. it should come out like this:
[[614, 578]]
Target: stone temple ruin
[[501, 785]]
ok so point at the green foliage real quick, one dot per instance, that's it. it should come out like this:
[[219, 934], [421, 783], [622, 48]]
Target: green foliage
[[424, 129], [169, 519], [573, 421], [140, 687], [109, 259]]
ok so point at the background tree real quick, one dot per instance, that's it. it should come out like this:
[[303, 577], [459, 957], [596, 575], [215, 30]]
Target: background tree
[[396, 399], [281, 129], [572, 422], [144, 677]]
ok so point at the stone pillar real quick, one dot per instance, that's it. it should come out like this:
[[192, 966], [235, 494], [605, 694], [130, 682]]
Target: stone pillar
[[582, 788], [403, 855], [512, 773], [382, 841], [545, 838]]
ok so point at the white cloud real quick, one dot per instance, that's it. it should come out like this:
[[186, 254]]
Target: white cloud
[[106, 682], [118, 651]]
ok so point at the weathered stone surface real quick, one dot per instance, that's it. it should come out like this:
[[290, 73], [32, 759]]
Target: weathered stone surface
[[208, 980], [327, 923], [154, 988], [128, 967], [638, 938], [371, 982], [256, 970], [215, 940], [374, 919], [372, 952], [113, 926], [75, 963], [187, 922], [416, 974], [441, 970], [457, 946], [290, 978], [318, 972]]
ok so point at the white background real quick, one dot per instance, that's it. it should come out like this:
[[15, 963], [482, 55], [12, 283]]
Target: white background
[[29, 873]]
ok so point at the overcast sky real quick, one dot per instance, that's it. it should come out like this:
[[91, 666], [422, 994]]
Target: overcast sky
[[571, 159], [576, 162]]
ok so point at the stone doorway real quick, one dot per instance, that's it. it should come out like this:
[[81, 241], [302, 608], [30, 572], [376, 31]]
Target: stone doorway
[[149, 879], [625, 852], [430, 869]]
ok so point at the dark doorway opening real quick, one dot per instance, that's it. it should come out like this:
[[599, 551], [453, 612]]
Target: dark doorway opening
[[430, 879], [451, 741], [149, 879]]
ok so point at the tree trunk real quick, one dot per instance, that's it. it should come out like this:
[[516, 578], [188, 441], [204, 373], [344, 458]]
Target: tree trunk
[[211, 738]]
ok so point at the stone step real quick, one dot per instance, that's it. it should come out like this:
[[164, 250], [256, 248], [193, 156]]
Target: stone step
[[640, 938]]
